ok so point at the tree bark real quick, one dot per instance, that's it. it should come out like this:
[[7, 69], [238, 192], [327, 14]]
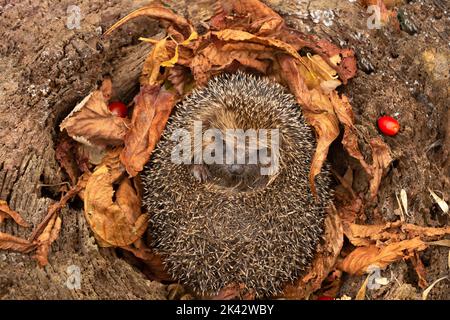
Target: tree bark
[[46, 69]]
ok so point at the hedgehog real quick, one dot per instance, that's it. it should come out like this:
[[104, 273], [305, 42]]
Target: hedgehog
[[227, 222]]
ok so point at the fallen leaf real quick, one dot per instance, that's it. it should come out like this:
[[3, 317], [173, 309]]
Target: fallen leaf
[[90, 154], [154, 265], [181, 79], [404, 199], [364, 235], [55, 208], [46, 238], [229, 35], [151, 68], [361, 258], [426, 292], [425, 233], [106, 88], [9, 242], [344, 112], [252, 15], [156, 12], [118, 223], [420, 270], [213, 59], [442, 204], [150, 115], [317, 110], [361, 295], [381, 160], [443, 243], [90, 122], [6, 212], [65, 155]]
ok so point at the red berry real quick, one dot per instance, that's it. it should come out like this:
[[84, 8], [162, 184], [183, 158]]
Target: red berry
[[388, 125], [119, 109], [325, 298]]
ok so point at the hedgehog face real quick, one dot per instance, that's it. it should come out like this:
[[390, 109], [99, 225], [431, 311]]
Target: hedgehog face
[[236, 166], [217, 222]]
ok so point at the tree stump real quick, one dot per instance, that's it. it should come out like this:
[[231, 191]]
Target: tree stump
[[48, 66]]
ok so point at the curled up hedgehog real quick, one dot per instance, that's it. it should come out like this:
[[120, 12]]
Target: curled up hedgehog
[[218, 219]]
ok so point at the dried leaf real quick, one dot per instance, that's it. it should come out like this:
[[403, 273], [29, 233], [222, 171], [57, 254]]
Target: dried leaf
[[317, 110], [9, 242], [152, 110], [151, 68], [370, 233], [442, 204], [181, 79], [154, 266], [91, 122], [118, 223], [420, 270], [214, 59], [344, 112], [65, 154], [404, 198], [425, 233], [443, 243], [323, 262], [107, 88], [54, 209], [91, 154], [426, 292], [361, 258], [381, 160], [6, 212], [246, 37], [361, 295], [47, 237], [251, 14], [155, 12]]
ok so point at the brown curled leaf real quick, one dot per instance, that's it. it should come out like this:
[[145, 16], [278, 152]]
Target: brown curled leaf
[[364, 235], [47, 237], [317, 110], [151, 112], [6, 212], [381, 159], [155, 12], [118, 223], [9, 242], [344, 112], [229, 35], [252, 15], [90, 122], [154, 267], [65, 155], [212, 60], [358, 261], [420, 270]]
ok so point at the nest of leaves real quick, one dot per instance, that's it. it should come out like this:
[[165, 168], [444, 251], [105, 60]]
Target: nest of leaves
[[103, 154]]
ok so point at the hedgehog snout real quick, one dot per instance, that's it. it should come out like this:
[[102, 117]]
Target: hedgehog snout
[[236, 169]]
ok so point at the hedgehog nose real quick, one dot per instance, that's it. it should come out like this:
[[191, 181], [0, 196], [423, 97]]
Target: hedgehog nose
[[236, 168]]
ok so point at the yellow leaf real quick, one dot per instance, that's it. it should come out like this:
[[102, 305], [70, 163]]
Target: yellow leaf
[[192, 37], [171, 63]]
